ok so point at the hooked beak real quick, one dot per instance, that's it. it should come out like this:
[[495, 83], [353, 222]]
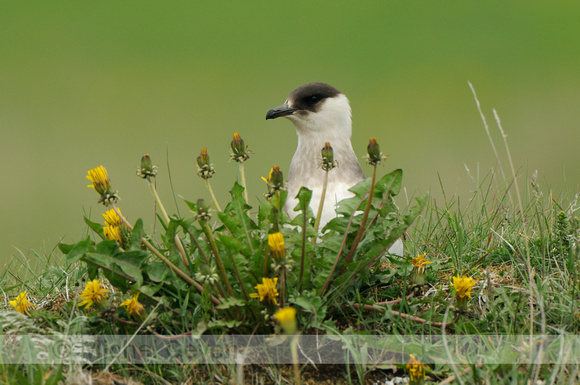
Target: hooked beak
[[283, 110]]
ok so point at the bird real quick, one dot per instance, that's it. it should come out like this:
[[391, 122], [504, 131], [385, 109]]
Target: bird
[[321, 113]]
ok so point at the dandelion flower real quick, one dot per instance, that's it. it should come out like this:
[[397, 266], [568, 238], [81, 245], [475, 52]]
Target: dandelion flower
[[463, 286], [93, 293], [99, 179], [267, 291], [416, 370], [418, 273], [112, 218], [102, 185], [21, 303], [134, 307], [113, 233], [287, 318], [276, 245]]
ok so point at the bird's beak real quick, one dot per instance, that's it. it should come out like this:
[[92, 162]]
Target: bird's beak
[[283, 110]]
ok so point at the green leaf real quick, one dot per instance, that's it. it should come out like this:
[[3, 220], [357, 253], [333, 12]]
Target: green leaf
[[128, 262], [233, 244], [96, 227], [390, 183], [231, 302], [304, 196], [136, 235], [77, 250], [157, 271]]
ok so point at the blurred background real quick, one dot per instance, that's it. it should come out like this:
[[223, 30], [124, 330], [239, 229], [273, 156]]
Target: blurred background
[[85, 84]]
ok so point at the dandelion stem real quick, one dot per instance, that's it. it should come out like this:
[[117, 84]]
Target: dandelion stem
[[176, 239], [282, 286], [175, 269], [213, 198], [319, 214], [363, 223], [243, 181], [218, 259]]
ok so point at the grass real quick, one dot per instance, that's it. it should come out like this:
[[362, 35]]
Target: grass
[[520, 246]]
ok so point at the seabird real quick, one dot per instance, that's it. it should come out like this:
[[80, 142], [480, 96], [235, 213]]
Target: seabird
[[321, 113]]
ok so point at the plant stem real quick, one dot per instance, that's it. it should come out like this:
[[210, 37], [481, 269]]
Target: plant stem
[[176, 239], [319, 214], [282, 286], [217, 257], [303, 254], [213, 198], [363, 223], [170, 264], [330, 275], [243, 181]]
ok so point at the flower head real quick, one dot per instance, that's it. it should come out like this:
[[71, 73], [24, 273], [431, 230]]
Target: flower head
[[134, 307], [205, 168], [418, 273], [463, 286], [112, 218], [267, 291], [102, 185], [113, 233], [93, 293], [21, 303], [287, 318], [416, 370], [240, 152], [147, 169], [276, 246]]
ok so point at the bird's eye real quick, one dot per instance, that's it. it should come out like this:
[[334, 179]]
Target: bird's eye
[[314, 99]]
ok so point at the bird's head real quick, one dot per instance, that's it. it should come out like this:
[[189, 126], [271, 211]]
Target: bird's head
[[316, 108]]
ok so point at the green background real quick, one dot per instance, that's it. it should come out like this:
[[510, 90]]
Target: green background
[[85, 83]]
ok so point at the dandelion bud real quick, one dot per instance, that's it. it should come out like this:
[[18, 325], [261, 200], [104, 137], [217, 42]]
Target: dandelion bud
[[374, 152], [202, 210], [240, 152], [147, 170], [328, 162], [276, 177], [205, 169]]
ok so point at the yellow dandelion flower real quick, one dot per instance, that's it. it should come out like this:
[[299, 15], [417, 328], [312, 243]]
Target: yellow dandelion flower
[[416, 370], [420, 261], [276, 245], [93, 293], [134, 307], [113, 233], [287, 318], [21, 303], [100, 180], [267, 291], [112, 218], [463, 286]]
